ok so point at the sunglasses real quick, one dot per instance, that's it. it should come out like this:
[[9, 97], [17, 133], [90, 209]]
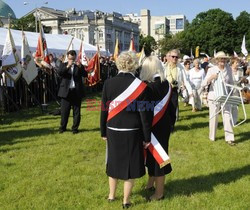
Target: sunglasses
[[173, 56]]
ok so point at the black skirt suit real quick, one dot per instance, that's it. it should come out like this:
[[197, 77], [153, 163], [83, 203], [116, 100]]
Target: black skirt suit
[[162, 128], [125, 159]]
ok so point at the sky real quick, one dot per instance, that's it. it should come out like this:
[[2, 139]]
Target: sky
[[190, 8]]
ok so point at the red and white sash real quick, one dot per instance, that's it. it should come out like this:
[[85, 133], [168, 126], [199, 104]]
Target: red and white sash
[[126, 98], [155, 147]]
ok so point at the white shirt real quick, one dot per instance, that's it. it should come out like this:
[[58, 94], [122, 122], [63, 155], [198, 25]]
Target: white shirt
[[227, 77], [72, 82], [196, 77]]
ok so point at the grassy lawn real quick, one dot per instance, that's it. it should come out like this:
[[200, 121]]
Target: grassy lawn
[[42, 169]]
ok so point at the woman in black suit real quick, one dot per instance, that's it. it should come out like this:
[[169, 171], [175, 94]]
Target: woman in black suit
[[152, 72], [124, 126]]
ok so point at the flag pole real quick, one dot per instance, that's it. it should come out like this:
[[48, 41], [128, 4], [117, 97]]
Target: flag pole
[[68, 48]]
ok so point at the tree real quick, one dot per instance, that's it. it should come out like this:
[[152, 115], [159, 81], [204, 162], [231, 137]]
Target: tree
[[170, 42], [211, 30], [149, 44], [242, 28], [25, 23]]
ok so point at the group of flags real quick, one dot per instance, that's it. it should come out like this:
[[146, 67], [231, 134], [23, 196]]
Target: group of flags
[[14, 66], [141, 55]]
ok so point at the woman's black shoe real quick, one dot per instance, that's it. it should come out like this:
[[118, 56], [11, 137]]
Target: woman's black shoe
[[126, 205]]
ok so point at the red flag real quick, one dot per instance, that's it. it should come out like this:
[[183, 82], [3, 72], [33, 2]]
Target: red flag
[[132, 45], [42, 55], [93, 70]]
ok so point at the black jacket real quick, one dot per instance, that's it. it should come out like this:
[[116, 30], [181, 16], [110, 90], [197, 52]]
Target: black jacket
[[65, 74], [130, 117]]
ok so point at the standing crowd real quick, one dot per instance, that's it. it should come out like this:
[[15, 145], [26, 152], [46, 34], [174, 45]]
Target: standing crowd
[[136, 112]]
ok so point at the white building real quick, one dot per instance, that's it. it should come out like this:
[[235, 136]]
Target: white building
[[94, 27], [157, 26], [176, 23]]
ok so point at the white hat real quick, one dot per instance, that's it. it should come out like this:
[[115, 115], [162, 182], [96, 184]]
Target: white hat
[[186, 57], [221, 54]]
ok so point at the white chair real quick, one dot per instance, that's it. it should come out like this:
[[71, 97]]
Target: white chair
[[222, 97]]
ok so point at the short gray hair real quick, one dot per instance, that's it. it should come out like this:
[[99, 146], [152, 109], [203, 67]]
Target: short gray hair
[[127, 61], [150, 67], [196, 61]]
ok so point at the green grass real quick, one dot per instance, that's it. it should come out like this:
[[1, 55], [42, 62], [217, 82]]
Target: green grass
[[42, 169]]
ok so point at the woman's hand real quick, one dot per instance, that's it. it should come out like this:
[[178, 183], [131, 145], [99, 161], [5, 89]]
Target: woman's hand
[[104, 138]]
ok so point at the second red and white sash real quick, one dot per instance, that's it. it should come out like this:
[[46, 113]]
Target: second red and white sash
[[155, 147]]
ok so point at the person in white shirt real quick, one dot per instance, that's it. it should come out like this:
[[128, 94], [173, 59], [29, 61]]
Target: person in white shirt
[[186, 89], [196, 76], [237, 75], [223, 71], [174, 75]]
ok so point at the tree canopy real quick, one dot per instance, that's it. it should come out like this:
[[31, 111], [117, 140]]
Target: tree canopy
[[212, 30], [149, 44], [25, 23]]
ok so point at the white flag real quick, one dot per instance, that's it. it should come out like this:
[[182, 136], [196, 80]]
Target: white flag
[[82, 56], [8, 56], [243, 47], [28, 64], [142, 56], [214, 53], [10, 59], [235, 54], [192, 56]]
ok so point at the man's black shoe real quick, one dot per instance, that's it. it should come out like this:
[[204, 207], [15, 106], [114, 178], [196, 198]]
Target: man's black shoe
[[75, 131], [61, 131]]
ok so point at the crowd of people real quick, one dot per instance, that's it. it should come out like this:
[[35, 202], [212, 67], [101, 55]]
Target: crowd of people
[[140, 105], [44, 88], [139, 109]]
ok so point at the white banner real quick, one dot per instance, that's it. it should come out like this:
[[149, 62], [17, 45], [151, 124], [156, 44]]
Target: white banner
[[29, 69]]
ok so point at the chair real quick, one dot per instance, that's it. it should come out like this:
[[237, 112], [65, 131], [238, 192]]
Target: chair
[[222, 97]]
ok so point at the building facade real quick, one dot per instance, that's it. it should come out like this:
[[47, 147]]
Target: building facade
[[157, 26], [94, 27]]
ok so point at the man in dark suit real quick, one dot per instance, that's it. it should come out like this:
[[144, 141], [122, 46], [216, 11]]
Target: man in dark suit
[[71, 91]]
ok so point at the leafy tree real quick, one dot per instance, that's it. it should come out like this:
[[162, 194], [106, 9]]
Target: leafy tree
[[149, 44], [26, 23], [171, 42], [211, 30], [242, 28]]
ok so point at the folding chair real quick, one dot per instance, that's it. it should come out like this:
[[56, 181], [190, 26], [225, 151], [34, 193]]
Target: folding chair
[[222, 97]]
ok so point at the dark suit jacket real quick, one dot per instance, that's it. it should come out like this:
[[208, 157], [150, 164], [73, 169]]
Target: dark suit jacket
[[129, 117], [65, 74]]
